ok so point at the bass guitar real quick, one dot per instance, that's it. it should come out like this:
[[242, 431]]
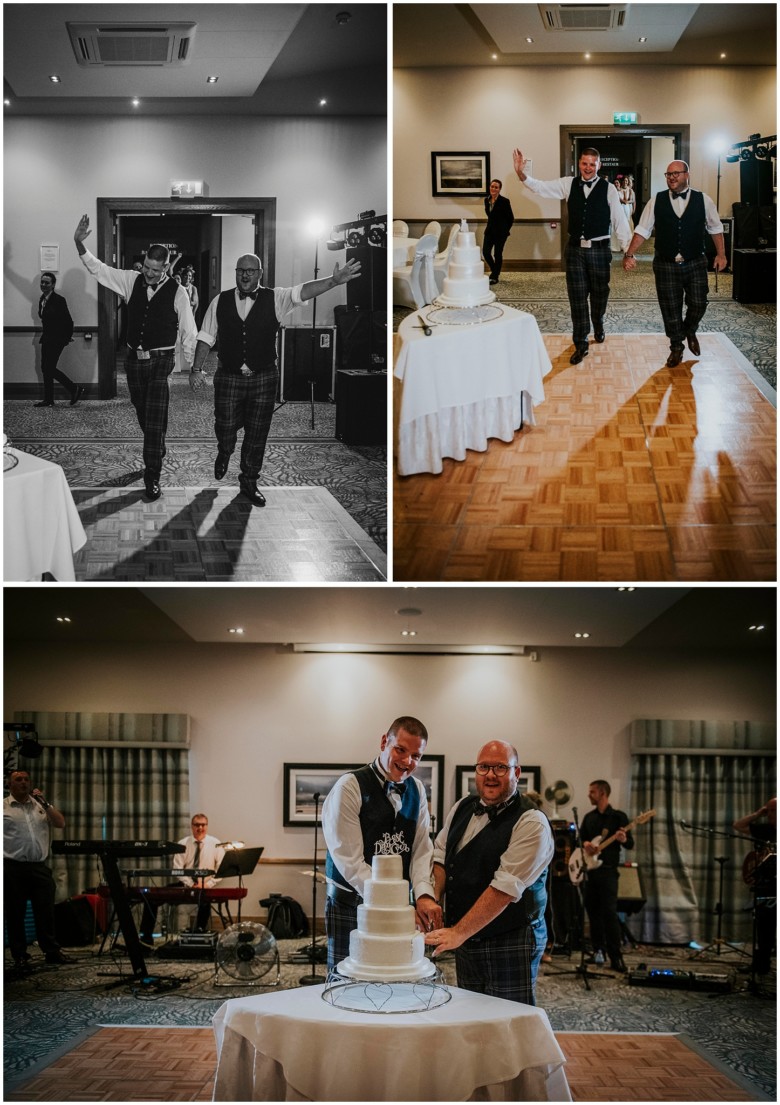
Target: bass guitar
[[580, 860]]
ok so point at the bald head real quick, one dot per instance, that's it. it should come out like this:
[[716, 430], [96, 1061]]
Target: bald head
[[248, 272]]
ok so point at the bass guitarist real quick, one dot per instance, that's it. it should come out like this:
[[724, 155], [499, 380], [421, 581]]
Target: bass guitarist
[[601, 886]]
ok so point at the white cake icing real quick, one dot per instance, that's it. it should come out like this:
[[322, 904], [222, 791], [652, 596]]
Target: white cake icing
[[466, 284], [386, 945]]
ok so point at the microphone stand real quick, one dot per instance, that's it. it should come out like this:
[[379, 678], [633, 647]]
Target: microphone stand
[[718, 942], [314, 978]]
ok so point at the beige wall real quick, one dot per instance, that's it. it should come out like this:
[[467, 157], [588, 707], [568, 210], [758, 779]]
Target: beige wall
[[253, 709], [498, 109], [55, 168]]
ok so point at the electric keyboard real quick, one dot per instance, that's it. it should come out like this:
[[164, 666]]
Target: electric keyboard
[[116, 847], [181, 895], [170, 873]]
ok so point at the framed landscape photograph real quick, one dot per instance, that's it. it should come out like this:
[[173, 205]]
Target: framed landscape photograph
[[430, 772], [302, 782], [460, 174]]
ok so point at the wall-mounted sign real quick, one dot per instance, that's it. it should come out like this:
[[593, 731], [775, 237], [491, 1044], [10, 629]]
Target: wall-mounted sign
[[624, 118], [186, 189], [50, 258]]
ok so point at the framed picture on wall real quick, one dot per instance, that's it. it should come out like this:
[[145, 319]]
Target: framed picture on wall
[[460, 174], [430, 772], [466, 780], [530, 779], [302, 782]]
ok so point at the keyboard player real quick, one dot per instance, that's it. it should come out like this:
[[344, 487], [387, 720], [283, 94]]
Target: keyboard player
[[200, 851]]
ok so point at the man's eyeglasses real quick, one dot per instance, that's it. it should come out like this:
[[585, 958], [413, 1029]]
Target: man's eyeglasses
[[681, 173], [499, 770], [246, 272]]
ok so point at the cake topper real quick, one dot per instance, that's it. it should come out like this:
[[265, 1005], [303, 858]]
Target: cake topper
[[391, 845]]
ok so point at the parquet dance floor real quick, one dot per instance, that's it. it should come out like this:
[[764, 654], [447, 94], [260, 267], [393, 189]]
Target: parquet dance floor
[[633, 471]]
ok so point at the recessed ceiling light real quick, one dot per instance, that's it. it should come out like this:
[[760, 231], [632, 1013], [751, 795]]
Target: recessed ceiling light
[[408, 632], [588, 57], [494, 57], [54, 78], [757, 628], [722, 55], [529, 40], [136, 102], [626, 588], [7, 103], [582, 634], [211, 80], [323, 101], [63, 619], [236, 629], [643, 38]]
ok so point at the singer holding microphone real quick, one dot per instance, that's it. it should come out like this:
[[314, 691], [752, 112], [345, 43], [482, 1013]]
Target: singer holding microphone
[[28, 819]]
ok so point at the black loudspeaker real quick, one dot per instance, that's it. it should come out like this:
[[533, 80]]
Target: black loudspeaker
[[361, 407], [362, 338], [369, 290], [302, 349], [630, 895], [755, 181], [74, 923], [755, 276], [564, 844], [728, 236], [565, 904]]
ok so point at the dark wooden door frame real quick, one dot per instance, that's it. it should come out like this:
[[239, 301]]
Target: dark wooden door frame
[[680, 132], [263, 210]]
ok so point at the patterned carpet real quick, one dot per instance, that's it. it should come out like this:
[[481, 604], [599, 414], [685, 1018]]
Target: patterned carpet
[[633, 308], [98, 444], [49, 1010]]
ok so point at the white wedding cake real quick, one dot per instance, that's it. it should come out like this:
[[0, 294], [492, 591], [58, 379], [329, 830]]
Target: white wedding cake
[[466, 283], [386, 946]]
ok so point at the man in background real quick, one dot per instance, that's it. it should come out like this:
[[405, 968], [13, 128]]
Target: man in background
[[601, 885], [57, 326], [499, 222]]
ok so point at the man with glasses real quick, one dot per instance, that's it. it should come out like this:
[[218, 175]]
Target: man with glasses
[[680, 216], [246, 319], [491, 862], [158, 315]]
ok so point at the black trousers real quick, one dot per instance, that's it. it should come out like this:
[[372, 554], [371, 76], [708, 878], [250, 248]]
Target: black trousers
[[493, 251], [601, 893], [50, 354], [33, 882]]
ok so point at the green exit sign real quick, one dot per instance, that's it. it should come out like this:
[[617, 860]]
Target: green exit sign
[[623, 117]]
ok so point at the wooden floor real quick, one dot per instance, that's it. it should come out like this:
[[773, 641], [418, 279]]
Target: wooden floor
[[632, 472], [177, 1064]]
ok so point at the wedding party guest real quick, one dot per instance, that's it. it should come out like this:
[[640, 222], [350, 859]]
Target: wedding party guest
[[57, 326], [500, 218]]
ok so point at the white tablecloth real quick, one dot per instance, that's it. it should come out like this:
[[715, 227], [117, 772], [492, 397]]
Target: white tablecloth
[[463, 385], [41, 526], [403, 250], [294, 1046]]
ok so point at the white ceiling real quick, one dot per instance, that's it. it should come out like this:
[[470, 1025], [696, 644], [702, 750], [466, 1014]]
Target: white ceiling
[[652, 617], [271, 59], [436, 35]]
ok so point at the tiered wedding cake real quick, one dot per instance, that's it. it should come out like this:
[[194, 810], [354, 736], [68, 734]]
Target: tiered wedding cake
[[466, 284], [386, 946]]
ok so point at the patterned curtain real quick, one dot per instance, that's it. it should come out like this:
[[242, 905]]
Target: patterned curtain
[[692, 872]]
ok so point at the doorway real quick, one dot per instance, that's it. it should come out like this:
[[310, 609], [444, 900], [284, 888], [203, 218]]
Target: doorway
[[642, 151], [126, 227]]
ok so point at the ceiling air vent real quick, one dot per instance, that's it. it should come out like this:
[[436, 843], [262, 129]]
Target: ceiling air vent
[[128, 44], [583, 17]]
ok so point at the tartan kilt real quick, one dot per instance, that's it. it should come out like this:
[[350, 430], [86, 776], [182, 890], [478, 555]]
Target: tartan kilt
[[340, 920], [503, 966], [248, 402]]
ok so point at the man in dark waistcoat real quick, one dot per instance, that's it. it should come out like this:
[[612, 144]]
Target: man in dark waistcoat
[[246, 320], [490, 866], [57, 333], [378, 810], [499, 222], [601, 884], [158, 315], [680, 216], [594, 212]]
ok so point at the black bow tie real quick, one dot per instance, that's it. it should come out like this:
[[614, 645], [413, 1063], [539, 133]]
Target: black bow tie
[[587, 183], [680, 195], [247, 295], [399, 788], [491, 811]]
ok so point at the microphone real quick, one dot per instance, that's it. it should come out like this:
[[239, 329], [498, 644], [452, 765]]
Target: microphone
[[36, 794], [316, 796], [574, 811], [684, 825]]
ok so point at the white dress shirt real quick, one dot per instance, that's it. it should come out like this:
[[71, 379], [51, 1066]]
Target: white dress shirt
[[560, 189], [26, 830], [712, 221], [210, 856], [285, 300], [531, 848], [122, 282], [343, 836]]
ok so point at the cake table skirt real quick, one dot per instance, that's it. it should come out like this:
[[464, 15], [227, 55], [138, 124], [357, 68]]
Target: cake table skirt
[[293, 1046]]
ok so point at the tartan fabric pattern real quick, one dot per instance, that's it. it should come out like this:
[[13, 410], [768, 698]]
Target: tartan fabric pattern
[[587, 277], [149, 393], [248, 402], [677, 286], [503, 966], [340, 920]]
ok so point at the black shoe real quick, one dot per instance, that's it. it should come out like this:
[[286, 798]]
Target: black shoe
[[220, 466], [43, 403], [152, 489], [675, 357], [58, 957], [599, 335], [249, 491], [618, 965], [78, 391], [693, 345], [579, 353], [493, 280], [22, 962]]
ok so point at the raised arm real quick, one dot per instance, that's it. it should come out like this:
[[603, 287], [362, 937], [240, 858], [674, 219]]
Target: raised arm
[[341, 275]]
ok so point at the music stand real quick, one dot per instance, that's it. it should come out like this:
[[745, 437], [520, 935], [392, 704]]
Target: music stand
[[238, 862]]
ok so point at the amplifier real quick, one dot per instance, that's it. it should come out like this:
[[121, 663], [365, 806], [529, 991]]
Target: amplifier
[[308, 355], [675, 978], [361, 407], [630, 895]]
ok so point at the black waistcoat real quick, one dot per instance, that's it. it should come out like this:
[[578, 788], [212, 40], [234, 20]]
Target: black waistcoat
[[470, 871], [588, 217], [250, 341], [152, 323], [679, 235]]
